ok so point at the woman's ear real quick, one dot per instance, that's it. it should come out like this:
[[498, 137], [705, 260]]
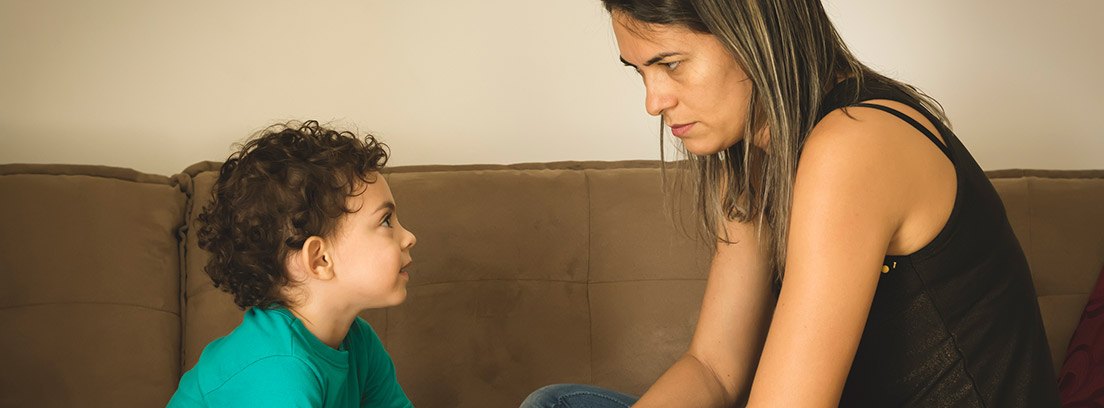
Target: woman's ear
[[316, 258]]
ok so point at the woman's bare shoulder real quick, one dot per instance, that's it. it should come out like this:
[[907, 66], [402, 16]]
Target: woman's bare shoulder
[[886, 166]]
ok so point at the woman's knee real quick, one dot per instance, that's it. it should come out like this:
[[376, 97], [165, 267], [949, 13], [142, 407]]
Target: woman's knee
[[577, 395], [548, 396]]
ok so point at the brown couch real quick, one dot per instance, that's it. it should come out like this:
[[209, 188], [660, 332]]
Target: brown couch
[[524, 275]]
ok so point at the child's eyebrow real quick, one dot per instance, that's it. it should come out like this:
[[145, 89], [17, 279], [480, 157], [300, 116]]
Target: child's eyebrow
[[389, 205]]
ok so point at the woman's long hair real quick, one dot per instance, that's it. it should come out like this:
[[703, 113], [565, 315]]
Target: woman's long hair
[[793, 56]]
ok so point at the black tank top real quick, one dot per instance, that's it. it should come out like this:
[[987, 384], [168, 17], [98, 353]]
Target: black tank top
[[957, 323]]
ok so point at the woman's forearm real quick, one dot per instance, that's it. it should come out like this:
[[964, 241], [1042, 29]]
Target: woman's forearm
[[688, 383]]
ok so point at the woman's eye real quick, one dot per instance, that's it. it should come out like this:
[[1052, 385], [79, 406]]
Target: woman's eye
[[386, 221]]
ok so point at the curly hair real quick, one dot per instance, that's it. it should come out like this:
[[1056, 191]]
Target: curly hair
[[287, 183]]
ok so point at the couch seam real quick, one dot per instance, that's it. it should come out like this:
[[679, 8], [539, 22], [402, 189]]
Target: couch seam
[[527, 166], [481, 280], [539, 280], [590, 244], [1030, 234], [651, 280], [166, 182], [182, 234], [86, 303]]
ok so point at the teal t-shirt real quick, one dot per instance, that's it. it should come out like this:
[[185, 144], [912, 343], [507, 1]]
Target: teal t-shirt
[[272, 360]]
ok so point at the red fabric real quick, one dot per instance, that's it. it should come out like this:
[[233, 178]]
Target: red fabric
[[1081, 380]]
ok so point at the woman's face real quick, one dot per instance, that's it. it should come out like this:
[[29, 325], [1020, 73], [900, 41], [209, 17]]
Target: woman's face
[[690, 79]]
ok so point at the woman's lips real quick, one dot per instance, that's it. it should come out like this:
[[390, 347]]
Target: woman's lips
[[681, 130]]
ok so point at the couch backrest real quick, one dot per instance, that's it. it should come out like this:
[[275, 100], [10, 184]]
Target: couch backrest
[[532, 274], [89, 287], [1059, 218], [524, 275]]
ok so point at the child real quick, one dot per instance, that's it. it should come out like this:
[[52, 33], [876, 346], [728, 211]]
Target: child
[[303, 232]]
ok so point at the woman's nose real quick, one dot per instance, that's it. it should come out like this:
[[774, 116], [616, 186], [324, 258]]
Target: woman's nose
[[658, 99]]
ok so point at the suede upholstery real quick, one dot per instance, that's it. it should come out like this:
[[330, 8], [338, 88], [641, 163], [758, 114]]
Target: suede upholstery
[[524, 275]]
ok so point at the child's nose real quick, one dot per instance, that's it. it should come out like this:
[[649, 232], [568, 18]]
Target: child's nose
[[411, 239]]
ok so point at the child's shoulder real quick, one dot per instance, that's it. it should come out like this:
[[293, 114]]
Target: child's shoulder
[[365, 345], [263, 352], [261, 333], [264, 337], [363, 332]]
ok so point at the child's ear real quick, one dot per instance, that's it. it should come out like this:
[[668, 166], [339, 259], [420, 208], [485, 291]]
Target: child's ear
[[316, 258]]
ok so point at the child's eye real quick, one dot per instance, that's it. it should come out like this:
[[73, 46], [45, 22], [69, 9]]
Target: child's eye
[[386, 221]]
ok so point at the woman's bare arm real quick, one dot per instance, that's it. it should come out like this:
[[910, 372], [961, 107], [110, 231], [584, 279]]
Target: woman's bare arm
[[858, 196], [859, 181], [716, 370]]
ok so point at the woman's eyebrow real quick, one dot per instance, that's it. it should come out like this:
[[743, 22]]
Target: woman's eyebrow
[[654, 59]]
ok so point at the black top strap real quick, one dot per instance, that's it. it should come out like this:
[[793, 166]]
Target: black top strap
[[912, 122]]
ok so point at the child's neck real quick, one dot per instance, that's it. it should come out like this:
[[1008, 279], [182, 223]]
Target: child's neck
[[330, 325]]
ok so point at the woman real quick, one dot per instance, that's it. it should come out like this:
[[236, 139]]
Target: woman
[[863, 258]]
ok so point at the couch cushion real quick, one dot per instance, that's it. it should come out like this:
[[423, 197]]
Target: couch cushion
[[640, 328], [1056, 216], [489, 343], [649, 236], [494, 224], [91, 286], [1066, 233], [648, 271], [493, 311]]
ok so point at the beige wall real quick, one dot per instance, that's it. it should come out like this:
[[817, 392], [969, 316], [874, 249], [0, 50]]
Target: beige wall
[[157, 85]]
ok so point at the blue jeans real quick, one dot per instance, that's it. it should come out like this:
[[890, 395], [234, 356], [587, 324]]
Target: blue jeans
[[577, 396]]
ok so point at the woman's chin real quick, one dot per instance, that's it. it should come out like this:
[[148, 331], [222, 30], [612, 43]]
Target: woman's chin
[[700, 148], [705, 146]]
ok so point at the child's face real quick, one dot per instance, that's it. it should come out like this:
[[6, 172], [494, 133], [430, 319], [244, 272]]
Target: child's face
[[371, 248]]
